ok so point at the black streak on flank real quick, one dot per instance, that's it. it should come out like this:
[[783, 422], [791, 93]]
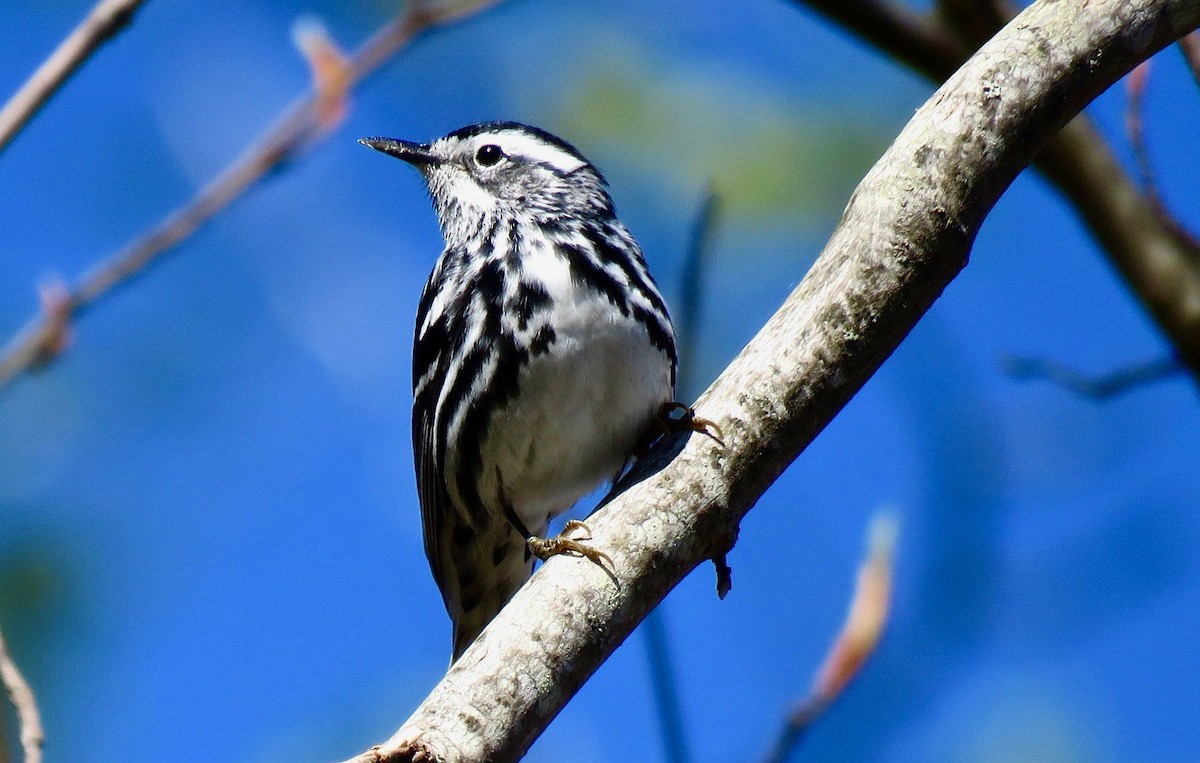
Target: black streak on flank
[[469, 601], [531, 299], [542, 341], [659, 336], [470, 367], [466, 575], [586, 272], [499, 552], [498, 391], [610, 253], [462, 535], [489, 283]]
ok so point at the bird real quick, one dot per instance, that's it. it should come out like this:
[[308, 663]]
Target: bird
[[543, 353]]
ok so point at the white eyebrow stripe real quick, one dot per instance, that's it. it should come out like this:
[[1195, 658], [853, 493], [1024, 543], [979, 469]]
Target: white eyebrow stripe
[[520, 144]]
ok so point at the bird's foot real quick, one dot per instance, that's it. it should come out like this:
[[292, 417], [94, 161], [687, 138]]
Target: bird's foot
[[677, 417], [564, 543]]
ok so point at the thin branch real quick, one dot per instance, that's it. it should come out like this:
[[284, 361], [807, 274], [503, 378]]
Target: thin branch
[[916, 39], [106, 19], [1189, 45], [855, 643], [1135, 92], [904, 236], [974, 21], [28, 719], [302, 123], [691, 290], [687, 320], [1162, 268], [1135, 126], [666, 689], [1104, 387]]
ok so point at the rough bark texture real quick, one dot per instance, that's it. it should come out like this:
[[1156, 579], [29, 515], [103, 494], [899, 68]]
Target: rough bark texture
[[905, 234], [1162, 268]]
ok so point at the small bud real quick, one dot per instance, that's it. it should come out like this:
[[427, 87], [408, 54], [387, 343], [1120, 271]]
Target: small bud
[[863, 628], [56, 301], [330, 68]]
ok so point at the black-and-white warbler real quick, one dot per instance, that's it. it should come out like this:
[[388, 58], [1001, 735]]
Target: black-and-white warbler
[[543, 352]]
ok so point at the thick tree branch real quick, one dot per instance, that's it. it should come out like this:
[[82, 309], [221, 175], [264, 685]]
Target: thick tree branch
[[1162, 268], [19, 692], [106, 19], [904, 235], [43, 337]]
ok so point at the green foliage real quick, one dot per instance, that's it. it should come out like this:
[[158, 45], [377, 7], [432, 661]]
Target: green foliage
[[32, 582], [770, 161]]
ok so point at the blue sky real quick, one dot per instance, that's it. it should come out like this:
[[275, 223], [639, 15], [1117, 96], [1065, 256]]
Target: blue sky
[[209, 539]]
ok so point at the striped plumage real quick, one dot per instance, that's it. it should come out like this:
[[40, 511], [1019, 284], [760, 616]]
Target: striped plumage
[[543, 351]]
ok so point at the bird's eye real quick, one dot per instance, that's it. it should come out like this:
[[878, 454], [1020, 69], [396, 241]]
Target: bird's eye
[[488, 155]]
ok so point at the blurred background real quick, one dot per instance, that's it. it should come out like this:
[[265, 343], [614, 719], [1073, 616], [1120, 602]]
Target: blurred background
[[210, 545]]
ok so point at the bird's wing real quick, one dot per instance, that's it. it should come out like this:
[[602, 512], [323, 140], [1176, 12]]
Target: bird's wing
[[477, 568], [431, 353], [431, 491]]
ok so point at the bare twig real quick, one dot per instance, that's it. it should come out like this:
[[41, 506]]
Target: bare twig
[[904, 236], [974, 21], [856, 642], [1162, 268], [1189, 45], [106, 19], [691, 290], [687, 320], [306, 120], [1103, 387], [666, 690], [919, 40], [23, 701], [1135, 90]]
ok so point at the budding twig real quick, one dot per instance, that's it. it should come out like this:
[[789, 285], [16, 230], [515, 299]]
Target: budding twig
[[1189, 45], [23, 701], [106, 19], [857, 641], [1135, 90], [306, 120]]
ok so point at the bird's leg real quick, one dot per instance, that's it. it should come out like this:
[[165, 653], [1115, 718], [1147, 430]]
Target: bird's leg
[[688, 421], [563, 543], [667, 422]]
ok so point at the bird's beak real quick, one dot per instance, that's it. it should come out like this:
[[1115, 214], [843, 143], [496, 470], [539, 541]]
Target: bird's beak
[[417, 154]]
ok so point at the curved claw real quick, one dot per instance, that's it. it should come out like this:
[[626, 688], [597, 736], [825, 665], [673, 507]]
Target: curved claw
[[688, 421], [574, 524], [544, 548]]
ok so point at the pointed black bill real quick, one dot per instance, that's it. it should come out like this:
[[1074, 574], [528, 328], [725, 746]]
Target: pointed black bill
[[416, 154]]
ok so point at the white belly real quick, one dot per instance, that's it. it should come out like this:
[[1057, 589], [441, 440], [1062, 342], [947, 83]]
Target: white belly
[[577, 415]]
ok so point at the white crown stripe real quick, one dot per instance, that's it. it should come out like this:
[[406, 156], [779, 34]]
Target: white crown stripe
[[514, 143]]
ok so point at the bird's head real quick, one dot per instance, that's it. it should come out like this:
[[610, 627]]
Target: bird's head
[[497, 171]]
